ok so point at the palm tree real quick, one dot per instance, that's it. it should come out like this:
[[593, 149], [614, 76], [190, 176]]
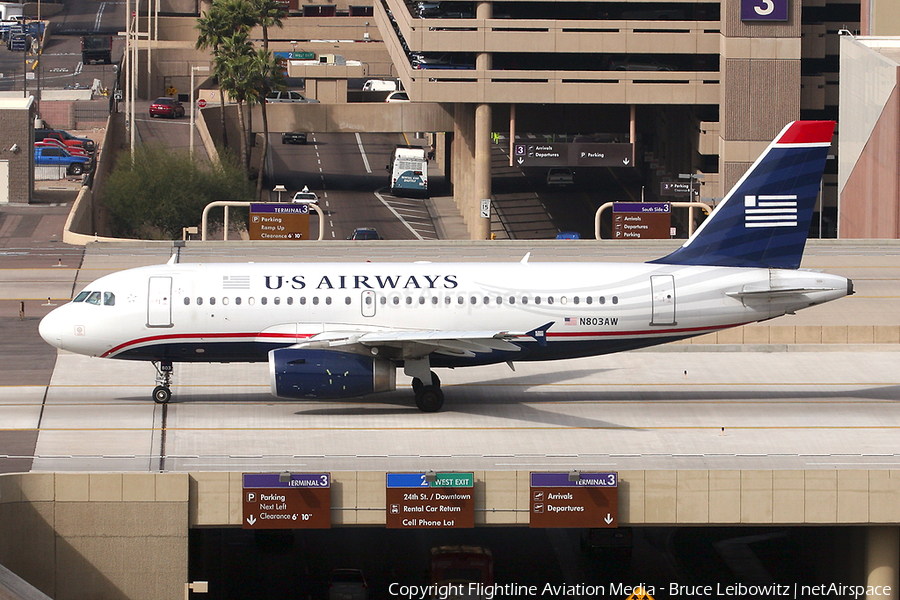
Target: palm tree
[[269, 14], [233, 65], [212, 31], [267, 75]]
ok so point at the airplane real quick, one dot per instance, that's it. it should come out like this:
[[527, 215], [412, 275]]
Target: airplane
[[336, 330]]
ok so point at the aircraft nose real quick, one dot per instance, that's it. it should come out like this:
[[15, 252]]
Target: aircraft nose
[[50, 328]]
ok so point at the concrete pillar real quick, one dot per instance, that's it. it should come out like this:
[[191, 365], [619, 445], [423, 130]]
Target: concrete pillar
[[481, 227], [462, 163], [883, 560]]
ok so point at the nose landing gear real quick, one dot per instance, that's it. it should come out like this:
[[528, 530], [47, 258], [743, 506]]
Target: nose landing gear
[[161, 393]]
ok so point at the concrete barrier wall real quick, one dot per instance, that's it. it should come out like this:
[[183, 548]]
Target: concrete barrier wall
[[125, 535], [98, 535]]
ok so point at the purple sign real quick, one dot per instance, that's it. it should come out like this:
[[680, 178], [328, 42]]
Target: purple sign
[[280, 209], [764, 10], [584, 480], [297, 480], [642, 207]]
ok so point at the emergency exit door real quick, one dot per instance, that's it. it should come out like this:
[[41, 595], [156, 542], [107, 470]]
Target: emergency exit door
[[159, 302]]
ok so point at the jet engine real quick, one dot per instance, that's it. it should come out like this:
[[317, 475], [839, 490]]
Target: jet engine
[[302, 373]]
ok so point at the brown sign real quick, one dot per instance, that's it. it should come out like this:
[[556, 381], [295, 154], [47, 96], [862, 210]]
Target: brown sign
[[414, 503], [301, 502], [276, 221], [641, 221], [590, 501]]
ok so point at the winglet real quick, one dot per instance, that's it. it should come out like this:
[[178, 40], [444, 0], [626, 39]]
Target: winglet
[[540, 334], [764, 220]]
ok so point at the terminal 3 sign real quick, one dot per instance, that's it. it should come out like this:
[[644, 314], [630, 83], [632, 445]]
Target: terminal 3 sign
[[432, 501], [574, 500], [286, 501]]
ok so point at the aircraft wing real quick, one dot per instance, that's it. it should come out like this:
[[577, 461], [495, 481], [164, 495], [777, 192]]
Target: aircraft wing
[[423, 342]]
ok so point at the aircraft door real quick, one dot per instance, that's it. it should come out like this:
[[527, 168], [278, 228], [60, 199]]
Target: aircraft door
[[662, 292], [368, 303], [159, 302]]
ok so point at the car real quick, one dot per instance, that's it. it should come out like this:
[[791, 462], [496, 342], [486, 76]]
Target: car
[[364, 233], [289, 96], [568, 235], [379, 85], [54, 143], [46, 156], [442, 61], [305, 196], [167, 107], [397, 97], [293, 137], [65, 137], [632, 63], [348, 584], [560, 176]]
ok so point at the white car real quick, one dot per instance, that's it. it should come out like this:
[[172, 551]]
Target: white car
[[398, 96], [289, 96], [305, 196], [560, 176]]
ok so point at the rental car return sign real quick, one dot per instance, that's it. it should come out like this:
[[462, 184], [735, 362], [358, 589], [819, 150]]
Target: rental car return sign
[[430, 501]]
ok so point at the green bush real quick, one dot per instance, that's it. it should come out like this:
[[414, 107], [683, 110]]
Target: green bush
[[162, 190]]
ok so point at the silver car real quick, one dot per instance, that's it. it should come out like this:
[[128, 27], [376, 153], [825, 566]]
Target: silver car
[[348, 584], [289, 96]]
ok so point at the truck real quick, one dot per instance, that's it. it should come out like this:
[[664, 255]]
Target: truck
[[57, 157], [96, 48], [409, 171]]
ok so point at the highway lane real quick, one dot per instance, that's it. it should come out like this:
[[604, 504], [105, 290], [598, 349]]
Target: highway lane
[[347, 171]]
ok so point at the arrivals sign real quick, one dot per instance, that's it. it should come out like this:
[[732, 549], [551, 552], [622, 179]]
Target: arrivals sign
[[414, 502], [574, 155], [276, 221], [587, 500], [286, 501], [641, 220]]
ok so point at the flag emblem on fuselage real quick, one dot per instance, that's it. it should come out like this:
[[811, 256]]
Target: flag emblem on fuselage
[[235, 282], [770, 210]]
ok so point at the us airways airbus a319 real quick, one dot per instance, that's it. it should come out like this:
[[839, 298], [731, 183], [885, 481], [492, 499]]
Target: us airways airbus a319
[[335, 330]]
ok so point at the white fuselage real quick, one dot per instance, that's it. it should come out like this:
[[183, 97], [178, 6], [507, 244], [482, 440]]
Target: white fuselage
[[238, 312]]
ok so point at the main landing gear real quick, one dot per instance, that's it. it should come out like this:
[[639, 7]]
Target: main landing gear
[[161, 393], [429, 398]]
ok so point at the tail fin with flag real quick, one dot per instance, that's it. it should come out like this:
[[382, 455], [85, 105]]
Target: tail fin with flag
[[764, 220]]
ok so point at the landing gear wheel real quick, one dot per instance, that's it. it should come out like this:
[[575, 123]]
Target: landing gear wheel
[[162, 394], [429, 398]]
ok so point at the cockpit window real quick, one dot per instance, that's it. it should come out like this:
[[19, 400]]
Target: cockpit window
[[109, 299], [93, 298], [81, 296]]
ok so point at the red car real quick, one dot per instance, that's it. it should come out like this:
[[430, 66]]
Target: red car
[[167, 107]]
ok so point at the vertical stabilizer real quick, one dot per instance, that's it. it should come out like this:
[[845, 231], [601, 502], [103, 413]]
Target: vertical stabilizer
[[764, 220]]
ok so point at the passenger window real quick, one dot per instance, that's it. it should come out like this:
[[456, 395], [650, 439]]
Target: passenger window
[[409, 299], [396, 300], [237, 300], [487, 300], [328, 300], [615, 299], [589, 300], [347, 300], [187, 301], [537, 299], [550, 300], [473, 300], [276, 300], [524, 299], [447, 300], [382, 300], [93, 298], [302, 300], [263, 301], [251, 300], [512, 299], [602, 300], [290, 300], [212, 301], [421, 299], [225, 300], [80, 297], [315, 300], [576, 300], [460, 300], [434, 299], [109, 299], [199, 300]]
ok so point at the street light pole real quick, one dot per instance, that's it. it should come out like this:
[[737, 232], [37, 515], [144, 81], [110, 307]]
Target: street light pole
[[194, 68]]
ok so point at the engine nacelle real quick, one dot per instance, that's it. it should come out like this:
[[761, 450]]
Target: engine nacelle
[[300, 373]]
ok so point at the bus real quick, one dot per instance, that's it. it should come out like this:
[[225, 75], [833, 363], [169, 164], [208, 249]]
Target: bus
[[409, 171]]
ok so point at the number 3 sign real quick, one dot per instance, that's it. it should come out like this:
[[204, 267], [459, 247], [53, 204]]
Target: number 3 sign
[[764, 10]]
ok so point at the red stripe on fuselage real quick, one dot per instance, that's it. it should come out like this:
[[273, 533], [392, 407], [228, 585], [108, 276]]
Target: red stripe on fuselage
[[203, 336]]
